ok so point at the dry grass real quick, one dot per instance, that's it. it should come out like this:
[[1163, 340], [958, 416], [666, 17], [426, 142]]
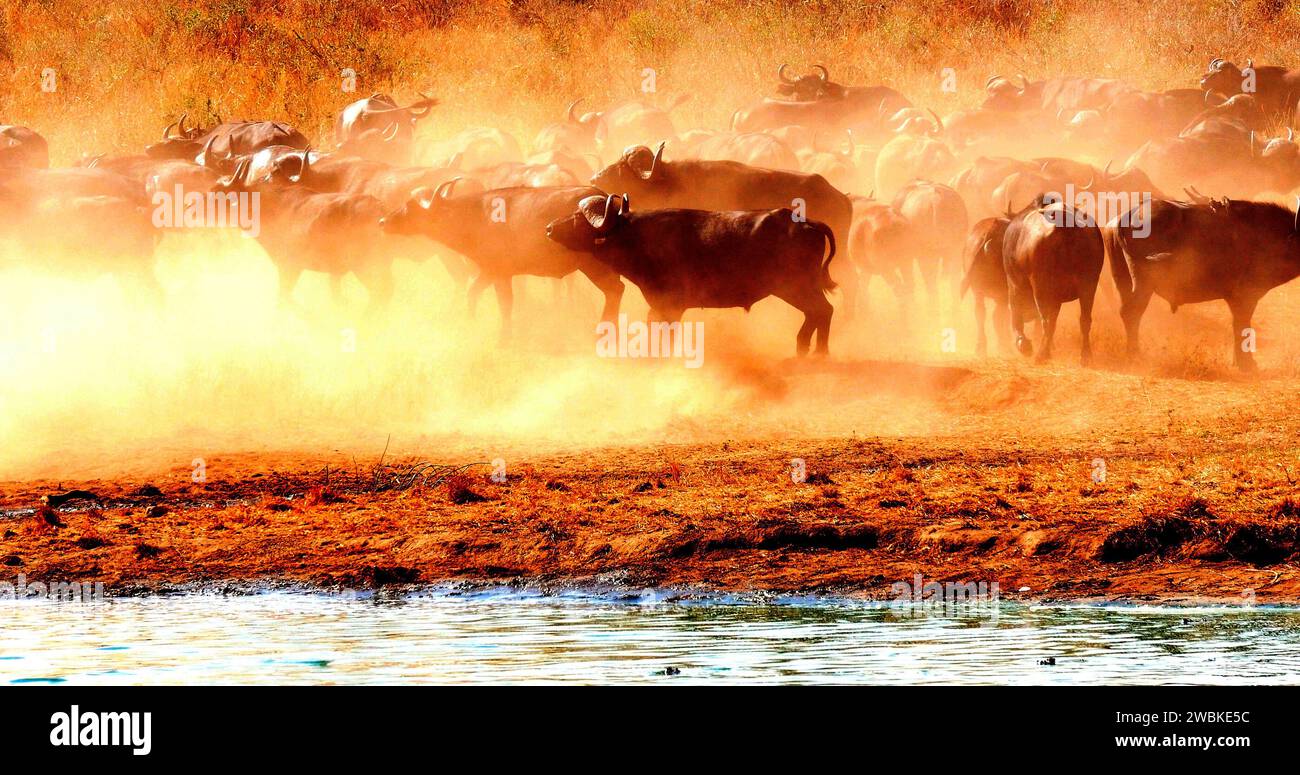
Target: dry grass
[[126, 67]]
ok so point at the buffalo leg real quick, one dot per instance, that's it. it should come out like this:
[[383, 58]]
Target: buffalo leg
[[850, 283], [981, 338], [816, 317], [1085, 325], [1001, 325], [1242, 311], [1047, 313], [476, 288], [378, 281], [1131, 308], [1019, 300], [288, 281], [504, 287], [610, 284]]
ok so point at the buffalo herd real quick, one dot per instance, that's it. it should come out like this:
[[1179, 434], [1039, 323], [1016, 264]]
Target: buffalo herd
[[1021, 201]]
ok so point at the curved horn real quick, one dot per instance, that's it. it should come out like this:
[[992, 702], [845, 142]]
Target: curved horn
[[938, 122], [1024, 82], [423, 105], [569, 113], [780, 74], [205, 156], [626, 206], [825, 74], [181, 124], [444, 188], [989, 83], [167, 131], [306, 164], [601, 223], [390, 133], [654, 163], [1290, 135], [237, 177], [1105, 171], [1215, 62]]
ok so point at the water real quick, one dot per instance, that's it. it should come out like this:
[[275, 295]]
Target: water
[[443, 638]]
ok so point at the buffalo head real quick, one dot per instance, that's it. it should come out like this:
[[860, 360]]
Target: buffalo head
[[1004, 94], [595, 219], [182, 143], [638, 168], [1224, 77], [806, 88], [427, 207]]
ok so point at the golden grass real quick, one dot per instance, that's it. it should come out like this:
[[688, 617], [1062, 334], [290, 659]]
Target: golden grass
[[127, 67]]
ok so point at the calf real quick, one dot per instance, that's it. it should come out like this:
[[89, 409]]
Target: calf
[[1052, 255], [700, 258]]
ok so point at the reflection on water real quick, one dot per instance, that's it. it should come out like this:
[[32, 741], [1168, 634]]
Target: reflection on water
[[304, 638]]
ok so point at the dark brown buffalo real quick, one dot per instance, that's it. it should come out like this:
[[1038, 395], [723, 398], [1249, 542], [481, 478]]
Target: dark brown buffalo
[[503, 231], [729, 185], [22, 147], [1232, 250], [987, 278], [1276, 88], [1051, 256], [684, 259]]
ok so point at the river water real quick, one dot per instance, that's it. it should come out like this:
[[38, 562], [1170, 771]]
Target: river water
[[283, 637]]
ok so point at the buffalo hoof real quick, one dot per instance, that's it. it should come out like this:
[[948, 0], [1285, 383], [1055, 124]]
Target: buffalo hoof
[[1025, 346]]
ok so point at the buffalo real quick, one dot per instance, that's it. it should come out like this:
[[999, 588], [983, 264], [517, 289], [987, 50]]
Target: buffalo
[[503, 232], [728, 185], [22, 147], [229, 140], [1225, 249], [1052, 255], [985, 276], [683, 259], [1276, 88], [379, 127]]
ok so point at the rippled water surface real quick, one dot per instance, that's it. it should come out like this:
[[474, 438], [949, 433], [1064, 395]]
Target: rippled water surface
[[304, 638]]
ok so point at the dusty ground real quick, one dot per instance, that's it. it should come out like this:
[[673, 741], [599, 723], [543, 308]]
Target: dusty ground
[[997, 486]]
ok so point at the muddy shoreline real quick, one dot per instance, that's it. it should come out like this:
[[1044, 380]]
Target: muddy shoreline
[[706, 519]]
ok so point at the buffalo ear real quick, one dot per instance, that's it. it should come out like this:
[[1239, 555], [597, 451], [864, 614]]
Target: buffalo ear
[[423, 196]]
